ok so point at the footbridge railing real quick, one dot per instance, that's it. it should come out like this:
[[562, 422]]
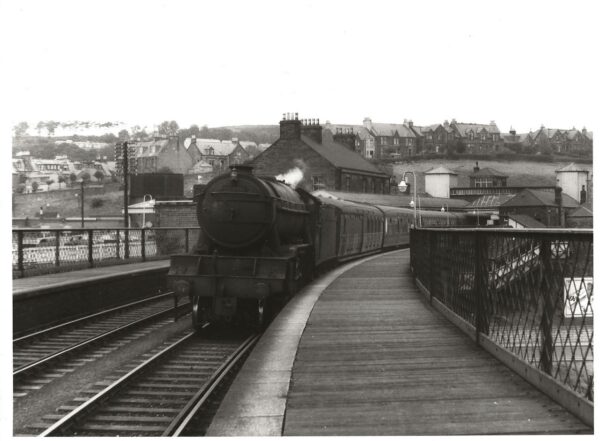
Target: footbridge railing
[[524, 295]]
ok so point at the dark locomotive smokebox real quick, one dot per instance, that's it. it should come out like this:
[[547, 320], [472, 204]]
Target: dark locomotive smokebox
[[197, 191]]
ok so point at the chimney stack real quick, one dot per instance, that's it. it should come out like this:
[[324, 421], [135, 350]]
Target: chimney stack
[[290, 127], [368, 123], [313, 130], [476, 168], [582, 195]]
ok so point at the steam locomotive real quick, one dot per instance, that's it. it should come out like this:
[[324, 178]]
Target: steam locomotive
[[261, 241]]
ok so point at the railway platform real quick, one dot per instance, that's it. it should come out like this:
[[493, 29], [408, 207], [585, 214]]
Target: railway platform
[[361, 352], [45, 299]]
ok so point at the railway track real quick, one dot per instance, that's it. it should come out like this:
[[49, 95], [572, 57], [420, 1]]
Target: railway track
[[163, 396], [35, 352]]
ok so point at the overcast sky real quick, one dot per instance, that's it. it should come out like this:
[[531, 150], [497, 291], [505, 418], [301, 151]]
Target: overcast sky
[[246, 62], [520, 63]]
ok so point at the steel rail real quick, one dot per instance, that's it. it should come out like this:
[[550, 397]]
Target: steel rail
[[89, 317], [190, 410], [25, 370], [71, 417]]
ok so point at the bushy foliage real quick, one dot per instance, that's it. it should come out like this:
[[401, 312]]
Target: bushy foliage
[[97, 202]]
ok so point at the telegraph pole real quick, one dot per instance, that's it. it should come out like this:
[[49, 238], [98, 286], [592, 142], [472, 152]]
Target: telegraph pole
[[125, 149]]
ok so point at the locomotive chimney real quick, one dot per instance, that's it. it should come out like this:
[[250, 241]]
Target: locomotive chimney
[[290, 127]]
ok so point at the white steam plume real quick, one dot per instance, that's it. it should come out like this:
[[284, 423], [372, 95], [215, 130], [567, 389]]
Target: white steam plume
[[291, 177]]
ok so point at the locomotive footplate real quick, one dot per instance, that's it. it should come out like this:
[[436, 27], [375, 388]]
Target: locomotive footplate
[[226, 284]]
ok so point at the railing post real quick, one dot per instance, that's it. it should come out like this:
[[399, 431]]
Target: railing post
[[143, 244], [91, 248], [481, 319], [547, 348], [118, 244], [430, 236], [126, 250], [187, 240], [57, 249], [20, 253]]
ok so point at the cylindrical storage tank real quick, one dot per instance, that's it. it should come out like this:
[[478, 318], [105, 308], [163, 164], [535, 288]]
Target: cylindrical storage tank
[[238, 209]]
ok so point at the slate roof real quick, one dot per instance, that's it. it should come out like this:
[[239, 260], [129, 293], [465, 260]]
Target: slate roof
[[486, 171], [394, 200], [440, 171], [536, 198], [340, 156], [382, 129], [526, 220], [360, 131], [582, 211], [220, 148], [463, 128]]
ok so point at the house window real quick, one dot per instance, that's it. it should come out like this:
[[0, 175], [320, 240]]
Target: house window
[[382, 140], [484, 182], [471, 136], [396, 141], [317, 182], [347, 186]]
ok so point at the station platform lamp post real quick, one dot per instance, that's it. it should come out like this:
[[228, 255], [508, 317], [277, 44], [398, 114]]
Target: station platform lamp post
[[144, 210], [402, 186]]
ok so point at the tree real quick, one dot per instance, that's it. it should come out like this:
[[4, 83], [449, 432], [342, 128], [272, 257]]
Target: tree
[[85, 177], [49, 182], [51, 126], [99, 175], [61, 179], [168, 128], [20, 189], [34, 186], [20, 129], [39, 127], [123, 135], [72, 178]]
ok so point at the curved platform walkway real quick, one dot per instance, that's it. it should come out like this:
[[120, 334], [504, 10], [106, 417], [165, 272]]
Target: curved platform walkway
[[360, 352]]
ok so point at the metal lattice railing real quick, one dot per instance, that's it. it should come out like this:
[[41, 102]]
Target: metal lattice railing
[[529, 291], [43, 251]]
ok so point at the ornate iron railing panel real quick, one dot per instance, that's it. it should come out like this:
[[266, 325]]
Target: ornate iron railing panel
[[44, 251], [529, 291]]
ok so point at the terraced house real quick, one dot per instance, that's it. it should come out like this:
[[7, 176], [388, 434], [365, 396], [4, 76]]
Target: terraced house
[[477, 138], [392, 141], [562, 141]]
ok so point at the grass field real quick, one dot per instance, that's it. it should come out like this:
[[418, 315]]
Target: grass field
[[66, 204]]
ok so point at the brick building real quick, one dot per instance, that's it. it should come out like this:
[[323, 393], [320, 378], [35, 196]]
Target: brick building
[[325, 163]]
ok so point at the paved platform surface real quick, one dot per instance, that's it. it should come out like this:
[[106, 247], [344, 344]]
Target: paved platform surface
[[59, 280], [360, 352]]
